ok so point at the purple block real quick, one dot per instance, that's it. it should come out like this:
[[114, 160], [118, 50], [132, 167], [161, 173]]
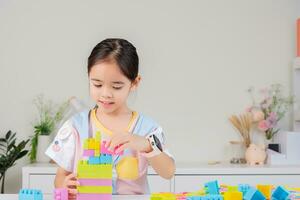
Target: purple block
[[61, 194], [95, 182], [94, 196], [89, 152]]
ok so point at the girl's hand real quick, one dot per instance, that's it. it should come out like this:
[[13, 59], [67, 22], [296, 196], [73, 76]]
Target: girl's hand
[[128, 140], [70, 182]]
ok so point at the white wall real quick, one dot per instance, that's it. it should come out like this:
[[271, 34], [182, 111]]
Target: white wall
[[197, 60]]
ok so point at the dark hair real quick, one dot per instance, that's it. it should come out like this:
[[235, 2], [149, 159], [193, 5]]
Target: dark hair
[[119, 50]]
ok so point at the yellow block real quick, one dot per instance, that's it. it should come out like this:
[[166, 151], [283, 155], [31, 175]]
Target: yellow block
[[232, 188], [233, 195], [91, 142], [98, 136], [97, 145], [97, 152], [86, 144], [95, 189], [265, 190], [128, 168], [102, 171]]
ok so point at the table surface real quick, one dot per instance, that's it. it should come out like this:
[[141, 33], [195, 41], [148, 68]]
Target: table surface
[[115, 197]]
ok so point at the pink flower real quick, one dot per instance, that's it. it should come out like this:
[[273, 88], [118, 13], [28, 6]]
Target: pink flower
[[263, 125], [257, 115], [249, 109], [272, 119]]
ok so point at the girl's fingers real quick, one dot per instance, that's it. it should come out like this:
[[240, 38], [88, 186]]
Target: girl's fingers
[[122, 147], [73, 183], [72, 191], [71, 176], [72, 196], [118, 141]]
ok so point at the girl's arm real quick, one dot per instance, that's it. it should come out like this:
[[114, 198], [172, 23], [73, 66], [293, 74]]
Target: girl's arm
[[163, 164], [65, 179], [60, 177]]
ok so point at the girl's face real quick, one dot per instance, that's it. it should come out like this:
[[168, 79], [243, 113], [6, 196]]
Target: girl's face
[[109, 88]]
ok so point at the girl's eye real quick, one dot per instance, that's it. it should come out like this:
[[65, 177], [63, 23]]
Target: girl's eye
[[117, 88], [97, 86]]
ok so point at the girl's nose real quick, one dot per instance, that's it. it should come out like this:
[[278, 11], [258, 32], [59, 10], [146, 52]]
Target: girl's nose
[[106, 92]]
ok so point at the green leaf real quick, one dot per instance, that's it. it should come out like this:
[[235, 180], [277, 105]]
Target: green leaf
[[7, 136], [21, 154]]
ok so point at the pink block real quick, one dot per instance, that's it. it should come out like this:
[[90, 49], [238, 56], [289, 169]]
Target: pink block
[[94, 196], [95, 182], [89, 152], [104, 150], [61, 194]]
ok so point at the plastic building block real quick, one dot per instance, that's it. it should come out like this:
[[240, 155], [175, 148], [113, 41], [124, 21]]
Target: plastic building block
[[95, 189], [265, 190], [98, 136], [91, 143], [88, 152], [94, 171], [30, 194], [254, 194], [95, 182], [81, 196], [233, 195], [233, 188], [212, 187], [244, 188], [61, 194], [280, 193], [103, 159], [163, 196]]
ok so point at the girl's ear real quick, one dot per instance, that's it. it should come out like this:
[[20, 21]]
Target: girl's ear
[[135, 83]]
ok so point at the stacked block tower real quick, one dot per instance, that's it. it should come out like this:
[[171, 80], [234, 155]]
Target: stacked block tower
[[94, 170]]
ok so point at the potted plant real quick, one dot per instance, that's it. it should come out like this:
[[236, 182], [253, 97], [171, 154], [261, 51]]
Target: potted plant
[[49, 117], [10, 152], [269, 110], [242, 123]]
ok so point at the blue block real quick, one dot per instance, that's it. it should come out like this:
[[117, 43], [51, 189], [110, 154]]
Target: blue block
[[30, 194], [105, 159], [213, 197], [244, 188], [280, 194], [94, 160], [206, 197], [212, 187], [254, 194]]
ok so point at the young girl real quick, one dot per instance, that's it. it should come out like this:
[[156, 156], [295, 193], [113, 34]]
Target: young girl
[[113, 75]]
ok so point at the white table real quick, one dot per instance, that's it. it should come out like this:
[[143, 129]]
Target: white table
[[115, 197]]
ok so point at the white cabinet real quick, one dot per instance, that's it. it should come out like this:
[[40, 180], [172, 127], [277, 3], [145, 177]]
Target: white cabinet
[[158, 184], [188, 176], [41, 176]]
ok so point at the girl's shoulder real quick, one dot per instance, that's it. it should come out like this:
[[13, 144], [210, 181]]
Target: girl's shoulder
[[145, 124]]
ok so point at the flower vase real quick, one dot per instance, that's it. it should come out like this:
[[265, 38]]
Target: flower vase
[[43, 143], [270, 144]]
